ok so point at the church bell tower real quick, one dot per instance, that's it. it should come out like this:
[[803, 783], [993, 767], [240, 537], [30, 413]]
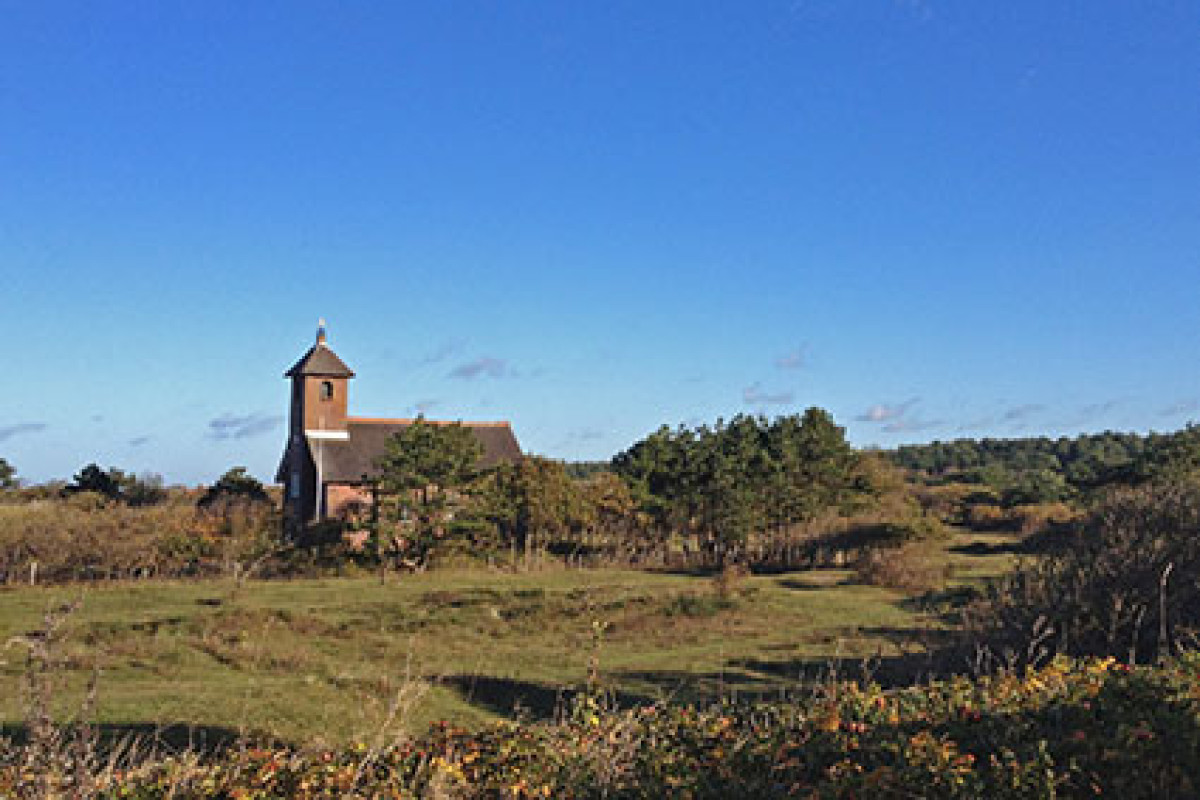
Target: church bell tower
[[319, 383], [317, 416]]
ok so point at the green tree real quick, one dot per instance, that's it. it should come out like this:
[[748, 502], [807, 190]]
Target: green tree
[[426, 470], [8, 476], [827, 464], [236, 486], [1035, 486], [659, 470], [609, 502], [533, 503], [1169, 459], [92, 478], [720, 485]]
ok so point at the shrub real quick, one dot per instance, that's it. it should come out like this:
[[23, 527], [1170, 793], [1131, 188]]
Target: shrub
[[100, 481], [987, 516], [235, 487], [910, 567], [1128, 588], [143, 490], [1070, 729], [85, 536], [727, 583], [921, 528], [1038, 517]]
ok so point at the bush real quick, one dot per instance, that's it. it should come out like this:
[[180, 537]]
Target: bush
[[93, 479], [987, 516], [237, 487], [1041, 517], [86, 536], [921, 528], [143, 490], [1129, 588], [911, 568]]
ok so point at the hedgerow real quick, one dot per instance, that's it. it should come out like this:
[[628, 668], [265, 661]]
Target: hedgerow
[[1073, 728]]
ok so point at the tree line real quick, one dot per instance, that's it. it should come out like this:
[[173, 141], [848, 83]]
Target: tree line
[[1042, 469], [706, 489]]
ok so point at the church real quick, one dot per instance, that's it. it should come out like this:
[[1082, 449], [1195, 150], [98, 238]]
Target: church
[[328, 464]]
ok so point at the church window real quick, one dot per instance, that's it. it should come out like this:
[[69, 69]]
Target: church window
[[326, 390], [295, 485]]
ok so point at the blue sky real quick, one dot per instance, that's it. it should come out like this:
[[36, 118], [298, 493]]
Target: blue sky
[[934, 219]]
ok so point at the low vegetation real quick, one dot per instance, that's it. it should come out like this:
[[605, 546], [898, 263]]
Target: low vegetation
[[1126, 585], [1069, 729], [321, 658], [746, 609]]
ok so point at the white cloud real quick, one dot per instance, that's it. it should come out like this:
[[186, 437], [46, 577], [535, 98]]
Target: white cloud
[[754, 395], [887, 412]]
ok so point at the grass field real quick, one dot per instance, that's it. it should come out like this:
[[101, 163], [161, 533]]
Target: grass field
[[324, 659]]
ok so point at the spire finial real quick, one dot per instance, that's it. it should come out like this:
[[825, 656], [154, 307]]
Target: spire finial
[[321, 331]]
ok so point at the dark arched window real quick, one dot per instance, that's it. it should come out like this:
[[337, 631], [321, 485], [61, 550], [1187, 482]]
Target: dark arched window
[[326, 390]]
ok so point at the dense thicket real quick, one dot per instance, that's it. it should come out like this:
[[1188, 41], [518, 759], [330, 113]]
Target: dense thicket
[[1041, 469]]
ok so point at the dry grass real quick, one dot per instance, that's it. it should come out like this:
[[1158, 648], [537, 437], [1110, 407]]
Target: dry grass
[[54, 541]]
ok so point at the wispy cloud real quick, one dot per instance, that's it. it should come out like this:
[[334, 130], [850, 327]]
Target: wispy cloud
[[756, 396], [9, 431], [1098, 409], [793, 359], [443, 351], [232, 426], [1189, 406], [887, 412], [1022, 413], [1092, 413], [908, 425], [486, 367], [138, 441], [977, 424]]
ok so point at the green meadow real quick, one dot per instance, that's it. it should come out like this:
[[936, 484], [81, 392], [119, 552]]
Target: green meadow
[[339, 659]]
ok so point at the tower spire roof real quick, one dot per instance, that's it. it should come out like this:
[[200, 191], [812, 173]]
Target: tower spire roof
[[320, 360]]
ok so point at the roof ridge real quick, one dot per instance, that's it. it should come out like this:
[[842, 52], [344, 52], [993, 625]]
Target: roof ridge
[[411, 420]]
